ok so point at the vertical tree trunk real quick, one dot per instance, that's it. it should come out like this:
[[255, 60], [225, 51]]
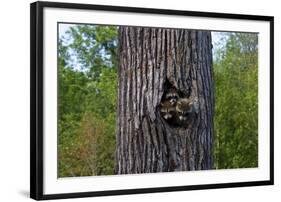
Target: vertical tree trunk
[[149, 58]]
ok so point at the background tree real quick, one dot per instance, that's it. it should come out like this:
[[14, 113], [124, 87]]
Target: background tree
[[87, 100], [236, 108], [151, 58]]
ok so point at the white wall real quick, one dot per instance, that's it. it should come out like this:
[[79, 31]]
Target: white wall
[[14, 100]]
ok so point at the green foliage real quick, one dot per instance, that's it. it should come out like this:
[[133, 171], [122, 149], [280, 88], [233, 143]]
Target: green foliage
[[87, 100], [236, 102], [94, 47], [88, 149]]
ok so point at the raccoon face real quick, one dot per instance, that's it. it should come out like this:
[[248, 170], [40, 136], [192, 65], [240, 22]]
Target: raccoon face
[[183, 108], [167, 110], [172, 96], [173, 100]]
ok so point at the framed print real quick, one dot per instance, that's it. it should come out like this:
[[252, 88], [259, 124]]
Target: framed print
[[135, 100]]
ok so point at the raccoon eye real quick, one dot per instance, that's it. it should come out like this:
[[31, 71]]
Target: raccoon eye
[[173, 98]]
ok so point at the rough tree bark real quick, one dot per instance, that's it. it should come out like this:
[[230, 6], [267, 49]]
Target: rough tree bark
[[148, 59]]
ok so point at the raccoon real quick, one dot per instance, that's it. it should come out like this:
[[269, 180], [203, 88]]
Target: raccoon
[[167, 110], [186, 107], [172, 96]]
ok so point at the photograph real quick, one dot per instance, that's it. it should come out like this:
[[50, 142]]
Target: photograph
[[135, 100], [129, 100]]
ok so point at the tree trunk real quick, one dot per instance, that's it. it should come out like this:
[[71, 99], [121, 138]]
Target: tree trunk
[[152, 60]]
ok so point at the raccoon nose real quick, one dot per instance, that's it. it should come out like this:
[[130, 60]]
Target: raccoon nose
[[172, 101]]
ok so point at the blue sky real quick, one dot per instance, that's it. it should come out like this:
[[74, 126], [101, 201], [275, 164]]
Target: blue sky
[[63, 28]]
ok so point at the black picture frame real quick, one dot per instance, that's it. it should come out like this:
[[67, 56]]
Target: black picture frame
[[36, 98]]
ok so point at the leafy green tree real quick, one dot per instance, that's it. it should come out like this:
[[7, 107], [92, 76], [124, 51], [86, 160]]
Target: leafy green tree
[[94, 47], [236, 106], [87, 100]]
